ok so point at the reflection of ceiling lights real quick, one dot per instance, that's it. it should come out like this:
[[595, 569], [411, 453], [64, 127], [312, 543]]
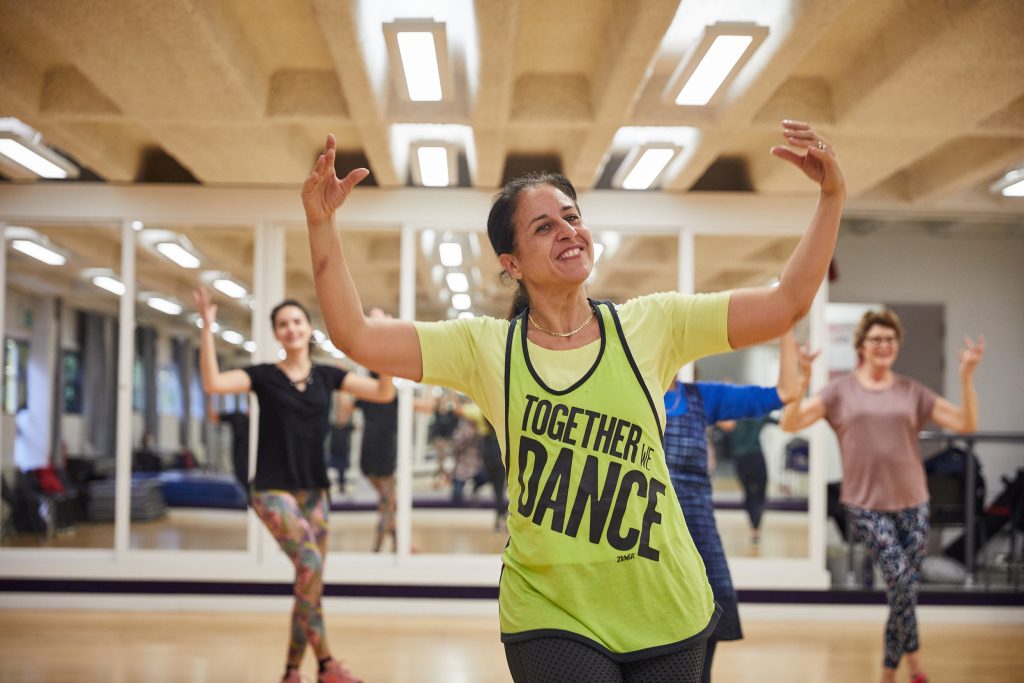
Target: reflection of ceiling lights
[[23, 155], [451, 254], [36, 245], [229, 287], [249, 346], [435, 164], [232, 337], [178, 253], [643, 166], [420, 47], [461, 302], [466, 315], [1011, 184], [138, 225], [723, 50], [109, 283], [164, 305], [457, 282]]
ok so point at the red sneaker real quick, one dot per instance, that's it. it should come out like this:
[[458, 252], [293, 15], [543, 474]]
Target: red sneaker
[[335, 672], [919, 678]]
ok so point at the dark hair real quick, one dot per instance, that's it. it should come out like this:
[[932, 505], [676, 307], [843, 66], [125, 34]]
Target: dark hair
[[285, 304], [882, 318], [501, 225]]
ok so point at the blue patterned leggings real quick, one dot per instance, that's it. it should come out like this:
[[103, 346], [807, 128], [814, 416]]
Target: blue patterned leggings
[[897, 542]]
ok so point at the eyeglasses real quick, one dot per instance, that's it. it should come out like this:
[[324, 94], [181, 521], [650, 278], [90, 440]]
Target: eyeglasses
[[878, 341]]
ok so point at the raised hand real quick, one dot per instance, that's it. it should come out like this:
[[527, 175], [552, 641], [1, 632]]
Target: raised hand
[[971, 356], [323, 192], [805, 359], [819, 162], [204, 304]]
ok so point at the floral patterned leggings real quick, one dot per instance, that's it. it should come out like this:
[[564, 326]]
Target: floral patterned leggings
[[897, 543], [298, 522]]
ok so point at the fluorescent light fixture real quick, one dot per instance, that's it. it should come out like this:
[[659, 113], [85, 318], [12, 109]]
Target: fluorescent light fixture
[[598, 250], [465, 315], [419, 63], [721, 53], [109, 283], [179, 254], [451, 254], [215, 328], [432, 162], [644, 165], [232, 337], [318, 336], [457, 282], [229, 287], [461, 302], [39, 252], [249, 346], [23, 154], [164, 305], [138, 225], [1011, 184], [418, 58]]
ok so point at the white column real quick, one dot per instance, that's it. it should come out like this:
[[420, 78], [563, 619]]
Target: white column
[[406, 311], [125, 360], [686, 282], [818, 469]]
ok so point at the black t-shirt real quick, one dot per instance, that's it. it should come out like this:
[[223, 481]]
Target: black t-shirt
[[293, 426], [379, 453]]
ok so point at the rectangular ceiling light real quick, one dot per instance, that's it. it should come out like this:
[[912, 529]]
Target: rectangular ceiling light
[[232, 337], [1011, 184], [229, 287], [418, 60], [457, 282], [179, 254], [721, 53], [433, 166], [23, 154], [109, 283], [451, 254], [39, 252], [164, 305], [644, 166], [420, 65], [461, 302]]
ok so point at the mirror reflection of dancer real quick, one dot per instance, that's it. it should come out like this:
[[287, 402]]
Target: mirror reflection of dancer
[[290, 485], [689, 409], [378, 458], [601, 580], [877, 414]]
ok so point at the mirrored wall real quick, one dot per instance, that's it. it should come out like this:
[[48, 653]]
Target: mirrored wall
[[62, 294], [759, 473], [189, 450]]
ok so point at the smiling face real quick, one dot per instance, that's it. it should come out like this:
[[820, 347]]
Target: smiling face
[[552, 247], [292, 329], [880, 347]]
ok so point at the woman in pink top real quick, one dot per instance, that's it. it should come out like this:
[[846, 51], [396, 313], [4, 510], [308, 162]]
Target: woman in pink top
[[877, 414]]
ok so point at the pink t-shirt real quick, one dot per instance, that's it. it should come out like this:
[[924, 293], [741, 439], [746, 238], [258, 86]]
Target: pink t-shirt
[[877, 430]]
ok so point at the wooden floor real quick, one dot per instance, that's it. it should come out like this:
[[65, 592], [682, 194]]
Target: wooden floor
[[130, 647]]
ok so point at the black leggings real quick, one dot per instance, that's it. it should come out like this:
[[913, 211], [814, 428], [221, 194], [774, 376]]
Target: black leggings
[[753, 474], [557, 660]]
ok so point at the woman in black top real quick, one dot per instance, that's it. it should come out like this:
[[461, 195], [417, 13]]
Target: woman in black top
[[290, 485]]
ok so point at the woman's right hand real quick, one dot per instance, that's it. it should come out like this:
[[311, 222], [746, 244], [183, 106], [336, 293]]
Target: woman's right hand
[[323, 192], [204, 304], [805, 358]]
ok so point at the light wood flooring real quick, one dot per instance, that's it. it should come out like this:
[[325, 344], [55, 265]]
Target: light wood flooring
[[174, 647]]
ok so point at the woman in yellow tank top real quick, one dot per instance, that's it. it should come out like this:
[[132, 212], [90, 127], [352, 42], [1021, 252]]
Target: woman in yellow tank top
[[601, 581]]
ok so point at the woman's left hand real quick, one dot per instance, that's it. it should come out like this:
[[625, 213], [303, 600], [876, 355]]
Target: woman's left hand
[[819, 163], [971, 356]]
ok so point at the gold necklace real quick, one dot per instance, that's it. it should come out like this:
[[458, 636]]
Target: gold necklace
[[561, 334]]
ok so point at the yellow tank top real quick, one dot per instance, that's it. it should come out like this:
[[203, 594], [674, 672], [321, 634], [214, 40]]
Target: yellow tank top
[[598, 549]]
